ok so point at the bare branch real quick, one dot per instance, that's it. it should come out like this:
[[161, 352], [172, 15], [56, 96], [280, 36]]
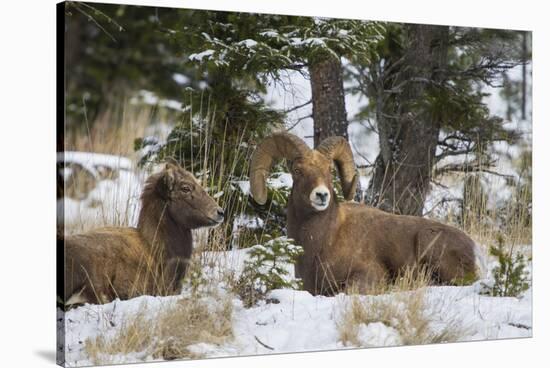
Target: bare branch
[[471, 166], [263, 344], [299, 121], [298, 106], [442, 201], [456, 152], [370, 164]]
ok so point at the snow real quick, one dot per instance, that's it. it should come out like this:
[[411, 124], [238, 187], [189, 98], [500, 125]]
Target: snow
[[180, 78], [269, 34], [201, 55], [248, 43], [149, 98], [91, 161], [292, 320], [312, 41], [250, 222], [377, 333], [244, 186], [280, 180]]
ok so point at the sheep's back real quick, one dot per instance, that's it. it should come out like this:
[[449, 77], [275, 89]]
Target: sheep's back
[[397, 240], [104, 259]]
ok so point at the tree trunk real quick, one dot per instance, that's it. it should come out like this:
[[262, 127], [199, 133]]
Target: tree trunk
[[408, 127], [327, 93], [524, 77]]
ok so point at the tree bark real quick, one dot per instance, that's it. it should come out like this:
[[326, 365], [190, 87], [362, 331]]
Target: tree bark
[[524, 77], [329, 107], [408, 127]]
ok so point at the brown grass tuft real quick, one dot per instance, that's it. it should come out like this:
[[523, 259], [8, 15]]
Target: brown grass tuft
[[401, 306], [168, 333]]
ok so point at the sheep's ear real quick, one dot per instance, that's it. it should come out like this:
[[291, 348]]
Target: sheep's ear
[[172, 161], [167, 180]]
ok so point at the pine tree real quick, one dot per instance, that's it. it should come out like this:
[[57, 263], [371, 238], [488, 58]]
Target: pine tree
[[511, 276], [425, 95], [247, 51], [266, 269]]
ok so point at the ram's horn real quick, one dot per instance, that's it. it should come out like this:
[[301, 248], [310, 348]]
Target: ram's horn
[[338, 149], [275, 147]]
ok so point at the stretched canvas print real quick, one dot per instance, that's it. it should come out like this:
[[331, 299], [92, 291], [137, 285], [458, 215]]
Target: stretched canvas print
[[235, 184]]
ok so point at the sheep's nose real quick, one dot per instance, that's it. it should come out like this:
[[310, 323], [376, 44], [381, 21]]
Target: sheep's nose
[[221, 212], [322, 196]]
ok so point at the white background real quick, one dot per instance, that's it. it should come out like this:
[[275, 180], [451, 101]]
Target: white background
[[27, 181]]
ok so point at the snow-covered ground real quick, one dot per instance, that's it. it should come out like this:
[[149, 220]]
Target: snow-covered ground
[[295, 321], [292, 321]]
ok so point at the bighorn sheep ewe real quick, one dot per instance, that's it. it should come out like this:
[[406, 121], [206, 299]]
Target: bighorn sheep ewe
[[107, 263], [349, 243]]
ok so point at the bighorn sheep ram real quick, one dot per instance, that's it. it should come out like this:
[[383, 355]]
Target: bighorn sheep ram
[[112, 262], [349, 243]]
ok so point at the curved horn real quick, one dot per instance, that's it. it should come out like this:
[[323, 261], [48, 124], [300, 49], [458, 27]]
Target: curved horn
[[276, 146], [338, 149]]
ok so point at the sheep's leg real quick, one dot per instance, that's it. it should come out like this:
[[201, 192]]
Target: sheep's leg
[[175, 270], [79, 287], [77, 298]]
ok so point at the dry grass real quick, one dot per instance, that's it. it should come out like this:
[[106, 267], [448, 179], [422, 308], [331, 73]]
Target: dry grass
[[167, 333], [405, 313], [401, 306], [486, 224], [114, 131], [412, 278]]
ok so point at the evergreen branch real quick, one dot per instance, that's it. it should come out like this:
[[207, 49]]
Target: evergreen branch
[[109, 19], [92, 19]]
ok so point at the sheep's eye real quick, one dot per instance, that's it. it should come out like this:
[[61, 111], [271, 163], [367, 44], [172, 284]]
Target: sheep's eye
[[186, 189], [297, 171]]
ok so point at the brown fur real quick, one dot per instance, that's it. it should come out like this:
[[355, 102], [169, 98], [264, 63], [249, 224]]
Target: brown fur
[[112, 262], [350, 243]]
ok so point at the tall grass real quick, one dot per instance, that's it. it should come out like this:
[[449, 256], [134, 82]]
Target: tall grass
[[510, 220], [495, 202], [113, 131]]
